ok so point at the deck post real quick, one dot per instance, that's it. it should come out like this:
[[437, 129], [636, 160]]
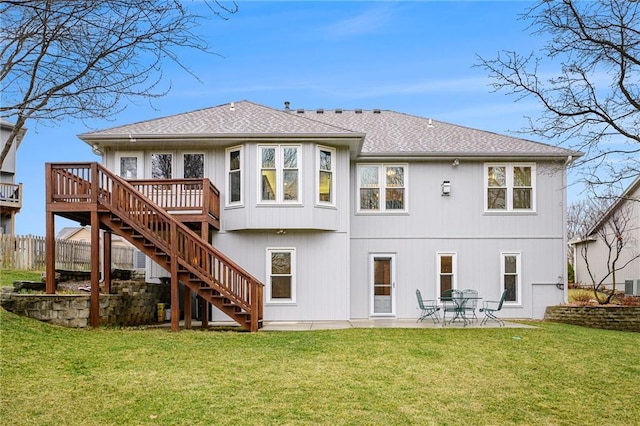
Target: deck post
[[50, 234], [106, 264], [94, 309], [204, 305], [175, 289]]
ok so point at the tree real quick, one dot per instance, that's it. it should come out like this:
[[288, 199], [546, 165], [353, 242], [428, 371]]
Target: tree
[[610, 224], [593, 103], [83, 59]]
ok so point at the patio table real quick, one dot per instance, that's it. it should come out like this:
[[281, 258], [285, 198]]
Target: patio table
[[460, 302]]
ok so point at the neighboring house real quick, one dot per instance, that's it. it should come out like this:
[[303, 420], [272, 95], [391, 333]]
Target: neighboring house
[[10, 192], [83, 234], [343, 214], [627, 207]]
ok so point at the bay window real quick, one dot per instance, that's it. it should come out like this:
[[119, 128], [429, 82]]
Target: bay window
[[279, 173]]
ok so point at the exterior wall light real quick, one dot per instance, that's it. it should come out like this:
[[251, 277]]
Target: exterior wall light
[[446, 188]]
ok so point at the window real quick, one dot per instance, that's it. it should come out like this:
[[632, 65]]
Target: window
[[510, 272], [234, 175], [161, 166], [130, 165], [281, 275], [510, 187], [382, 187], [447, 266], [193, 166], [326, 181], [279, 173]]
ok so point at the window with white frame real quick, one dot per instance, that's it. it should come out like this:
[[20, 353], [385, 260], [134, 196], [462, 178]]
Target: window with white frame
[[326, 175], [511, 276], [234, 175], [510, 187], [281, 275], [382, 187], [193, 165], [279, 173], [447, 272], [161, 166]]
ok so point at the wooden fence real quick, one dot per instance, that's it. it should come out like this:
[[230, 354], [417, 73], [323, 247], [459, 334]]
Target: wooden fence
[[28, 253]]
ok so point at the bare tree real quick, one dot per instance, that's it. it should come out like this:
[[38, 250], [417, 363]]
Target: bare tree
[[83, 59], [613, 227], [592, 104]]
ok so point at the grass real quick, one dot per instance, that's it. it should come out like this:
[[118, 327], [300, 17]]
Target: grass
[[8, 276], [556, 374]]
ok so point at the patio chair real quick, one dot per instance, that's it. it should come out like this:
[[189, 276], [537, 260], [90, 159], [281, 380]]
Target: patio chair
[[451, 303], [490, 307], [472, 302], [429, 308]]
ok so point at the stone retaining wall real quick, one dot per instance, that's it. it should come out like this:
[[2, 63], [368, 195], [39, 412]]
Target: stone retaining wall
[[134, 303], [623, 318]]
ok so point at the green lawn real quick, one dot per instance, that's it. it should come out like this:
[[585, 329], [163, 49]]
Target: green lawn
[[553, 375], [8, 276]]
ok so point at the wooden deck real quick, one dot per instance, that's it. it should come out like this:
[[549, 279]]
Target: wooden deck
[[160, 218]]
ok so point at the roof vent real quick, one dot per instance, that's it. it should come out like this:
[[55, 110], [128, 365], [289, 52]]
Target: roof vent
[[376, 111], [430, 123], [338, 111], [300, 111], [358, 110], [233, 106], [320, 111], [286, 105]]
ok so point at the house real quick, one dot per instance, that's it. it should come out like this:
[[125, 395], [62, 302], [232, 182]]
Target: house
[[343, 214], [626, 210], [10, 192], [128, 255]]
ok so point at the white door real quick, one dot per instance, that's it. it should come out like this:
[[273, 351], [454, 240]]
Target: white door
[[383, 284]]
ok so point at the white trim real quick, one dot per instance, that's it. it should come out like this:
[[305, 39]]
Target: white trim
[[279, 170], [268, 299], [509, 167], [173, 163], [517, 255], [227, 171], [372, 257], [332, 151], [139, 155], [180, 165], [382, 209], [454, 270]]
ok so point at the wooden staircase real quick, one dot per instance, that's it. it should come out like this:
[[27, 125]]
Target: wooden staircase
[[76, 190]]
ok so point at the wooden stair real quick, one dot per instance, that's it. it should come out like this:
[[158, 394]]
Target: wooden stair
[[191, 261]]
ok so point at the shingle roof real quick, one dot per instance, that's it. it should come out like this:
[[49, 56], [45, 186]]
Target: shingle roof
[[236, 118], [385, 132]]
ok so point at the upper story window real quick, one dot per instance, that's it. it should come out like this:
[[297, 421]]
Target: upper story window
[[193, 165], [234, 175], [510, 272], [326, 175], [161, 166], [510, 187], [279, 173], [382, 187]]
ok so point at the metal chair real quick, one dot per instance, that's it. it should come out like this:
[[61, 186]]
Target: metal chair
[[451, 301], [471, 304], [490, 307], [429, 308]]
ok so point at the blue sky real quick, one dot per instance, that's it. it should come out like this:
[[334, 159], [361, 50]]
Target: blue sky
[[415, 57]]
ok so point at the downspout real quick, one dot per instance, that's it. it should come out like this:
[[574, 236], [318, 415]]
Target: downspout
[[565, 268]]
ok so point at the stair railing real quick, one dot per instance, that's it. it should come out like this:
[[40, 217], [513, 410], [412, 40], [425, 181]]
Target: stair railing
[[91, 181]]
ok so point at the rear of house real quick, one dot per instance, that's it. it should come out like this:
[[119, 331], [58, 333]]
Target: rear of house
[[343, 214]]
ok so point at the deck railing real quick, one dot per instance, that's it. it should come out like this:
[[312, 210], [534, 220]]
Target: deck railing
[[81, 182], [182, 195], [11, 195]]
